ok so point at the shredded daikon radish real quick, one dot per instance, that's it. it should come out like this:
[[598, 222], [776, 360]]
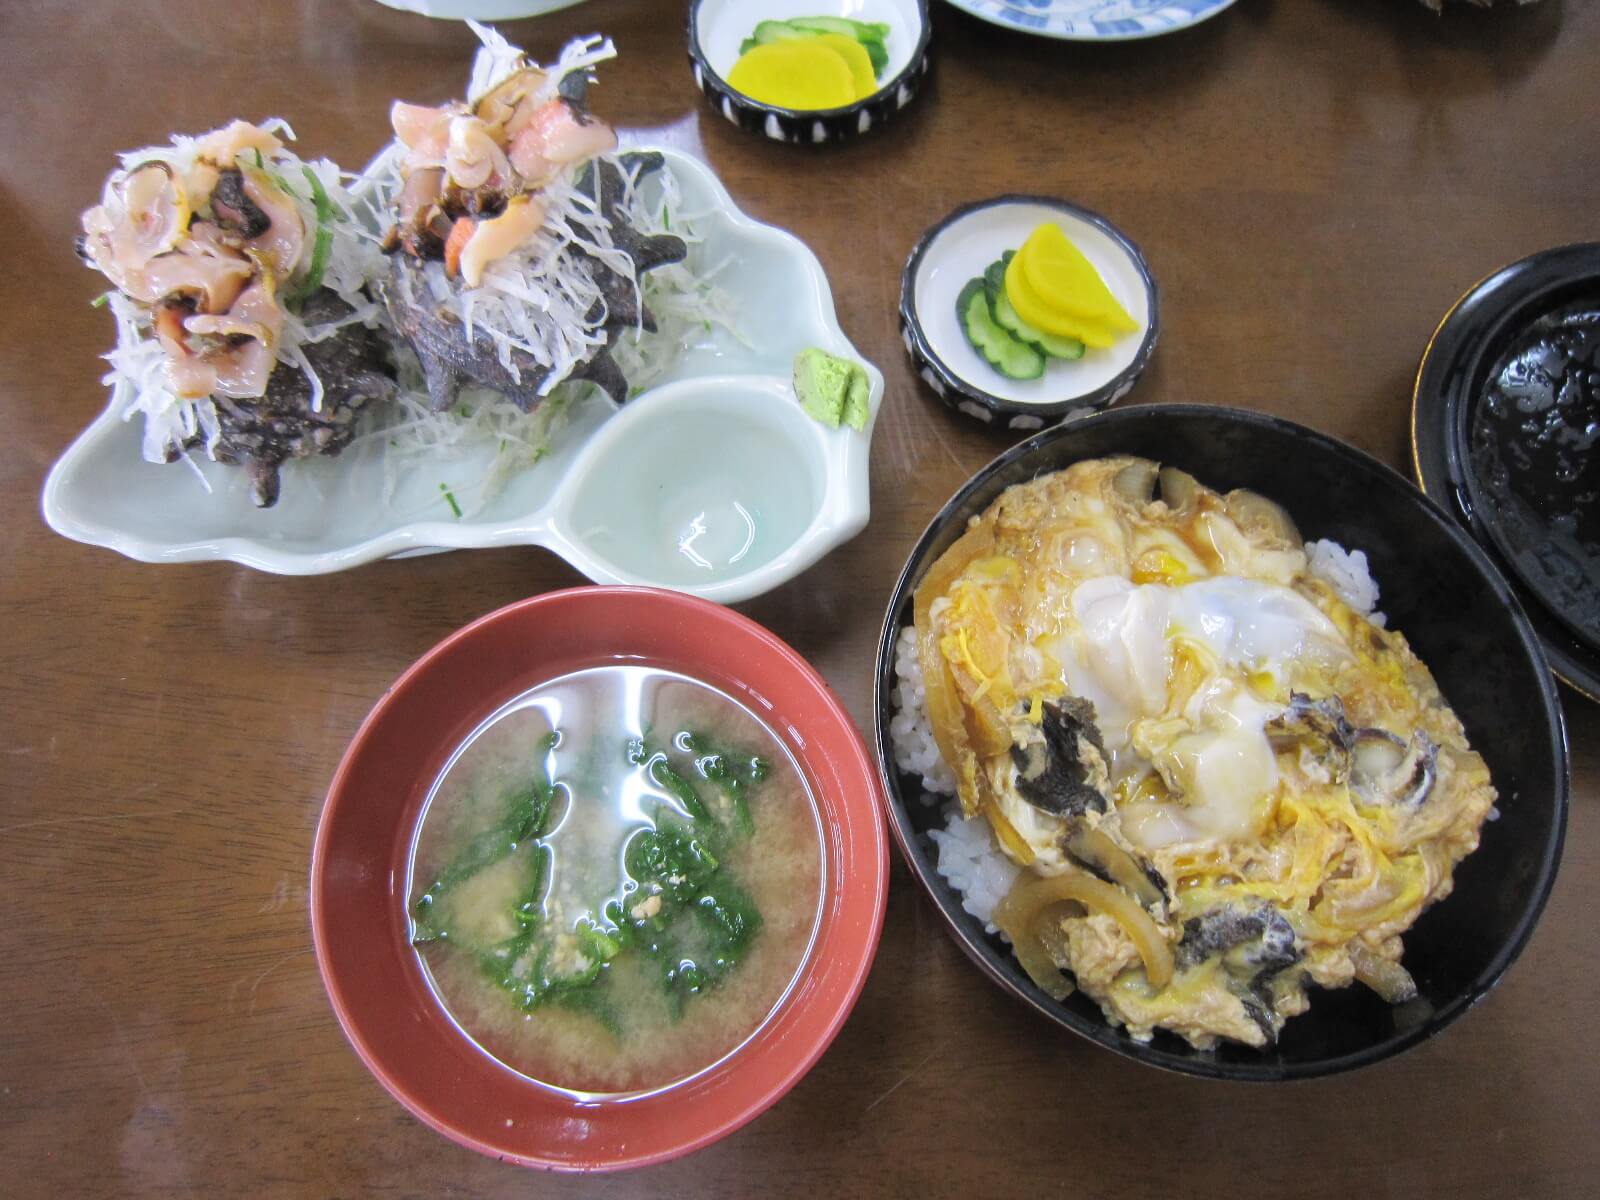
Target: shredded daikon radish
[[541, 300], [538, 299], [353, 262], [497, 60], [484, 427], [473, 450], [140, 363]]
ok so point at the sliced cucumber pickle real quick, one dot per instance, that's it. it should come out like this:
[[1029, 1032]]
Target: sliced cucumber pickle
[[1013, 358]]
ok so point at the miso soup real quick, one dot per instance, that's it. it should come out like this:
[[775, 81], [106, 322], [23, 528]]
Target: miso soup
[[616, 879]]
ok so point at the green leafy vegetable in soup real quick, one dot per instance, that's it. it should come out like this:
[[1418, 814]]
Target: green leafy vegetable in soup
[[597, 887], [672, 902]]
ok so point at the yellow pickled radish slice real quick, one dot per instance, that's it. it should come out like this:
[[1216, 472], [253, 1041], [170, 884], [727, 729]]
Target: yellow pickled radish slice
[[856, 58], [803, 74], [1032, 309], [1063, 278]]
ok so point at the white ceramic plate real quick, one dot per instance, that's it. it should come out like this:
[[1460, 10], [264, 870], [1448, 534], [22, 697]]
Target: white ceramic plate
[[332, 515], [1094, 20]]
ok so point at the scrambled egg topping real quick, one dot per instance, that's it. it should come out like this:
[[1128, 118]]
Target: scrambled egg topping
[[1225, 783]]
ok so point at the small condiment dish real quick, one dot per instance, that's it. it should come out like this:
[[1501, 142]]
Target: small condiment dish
[[720, 485], [717, 29], [377, 983], [957, 250]]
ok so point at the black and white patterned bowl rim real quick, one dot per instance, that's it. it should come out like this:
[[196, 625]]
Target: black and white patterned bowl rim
[[822, 126], [967, 397]]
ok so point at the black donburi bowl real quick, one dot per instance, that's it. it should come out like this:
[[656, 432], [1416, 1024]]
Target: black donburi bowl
[[1461, 617]]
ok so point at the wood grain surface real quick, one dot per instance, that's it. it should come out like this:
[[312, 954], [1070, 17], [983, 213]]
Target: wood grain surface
[[1314, 183]]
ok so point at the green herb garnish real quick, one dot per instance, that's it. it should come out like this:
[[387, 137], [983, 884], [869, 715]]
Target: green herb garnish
[[322, 247]]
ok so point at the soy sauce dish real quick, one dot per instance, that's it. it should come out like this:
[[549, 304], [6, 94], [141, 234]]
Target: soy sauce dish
[[972, 243], [1505, 420], [1252, 810], [719, 486], [722, 31], [599, 878]]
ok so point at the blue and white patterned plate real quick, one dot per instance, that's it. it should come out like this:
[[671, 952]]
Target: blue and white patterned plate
[[1095, 20]]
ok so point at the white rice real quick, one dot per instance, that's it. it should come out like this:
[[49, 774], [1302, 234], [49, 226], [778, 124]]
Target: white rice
[[911, 733], [965, 851], [967, 854], [1345, 571], [973, 863]]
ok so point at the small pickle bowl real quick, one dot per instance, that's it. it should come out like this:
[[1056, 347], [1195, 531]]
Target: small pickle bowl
[[1457, 612], [959, 249], [360, 867], [719, 28]]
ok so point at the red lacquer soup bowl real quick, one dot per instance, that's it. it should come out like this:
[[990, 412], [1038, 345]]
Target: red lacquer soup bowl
[[376, 981]]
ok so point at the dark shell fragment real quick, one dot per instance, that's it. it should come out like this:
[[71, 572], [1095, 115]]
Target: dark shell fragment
[[603, 180], [1400, 772], [574, 86], [1317, 720], [1383, 768], [1256, 944], [234, 210], [1257, 1006], [263, 433], [450, 359], [1258, 939], [1057, 775], [1103, 858]]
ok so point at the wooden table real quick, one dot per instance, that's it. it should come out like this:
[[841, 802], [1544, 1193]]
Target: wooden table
[[1314, 183]]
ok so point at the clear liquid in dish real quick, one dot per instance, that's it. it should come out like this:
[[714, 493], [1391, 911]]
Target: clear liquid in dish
[[700, 502], [615, 880]]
